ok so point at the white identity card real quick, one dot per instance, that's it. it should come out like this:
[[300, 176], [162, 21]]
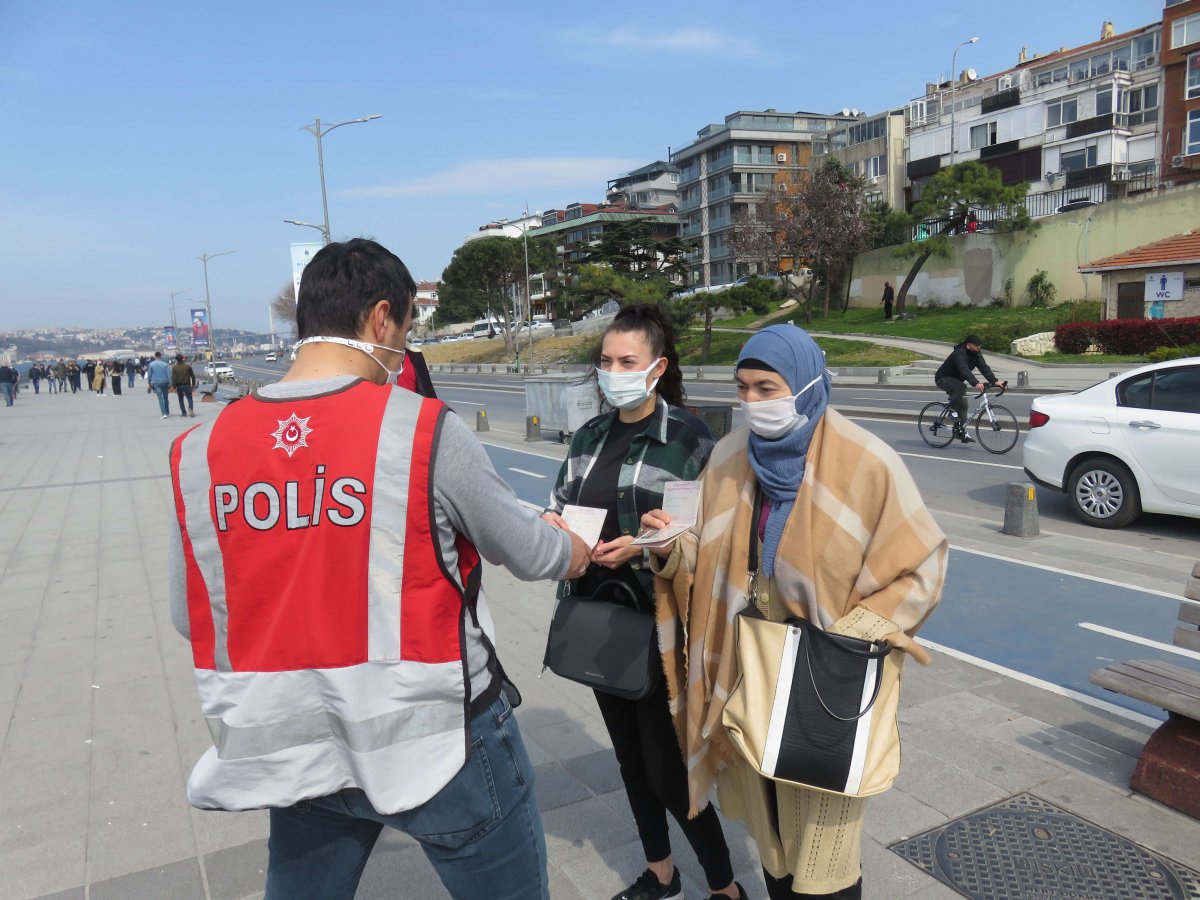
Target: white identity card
[[585, 521], [681, 501]]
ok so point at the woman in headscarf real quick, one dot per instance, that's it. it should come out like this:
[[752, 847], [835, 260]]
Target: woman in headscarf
[[843, 540]]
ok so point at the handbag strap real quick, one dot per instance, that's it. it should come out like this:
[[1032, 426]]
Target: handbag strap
[[752, 556], [807, 629]]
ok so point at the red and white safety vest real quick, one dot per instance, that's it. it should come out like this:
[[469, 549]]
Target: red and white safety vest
[[327, 629]]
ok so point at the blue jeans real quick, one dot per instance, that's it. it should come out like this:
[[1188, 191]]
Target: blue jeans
[[161, 390], [131, 374], [7, 388], [482, 832]]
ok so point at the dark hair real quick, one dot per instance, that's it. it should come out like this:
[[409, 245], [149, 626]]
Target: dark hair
[[972, 339], [178, 357], [650, 321], [158, 354], [344, 281]]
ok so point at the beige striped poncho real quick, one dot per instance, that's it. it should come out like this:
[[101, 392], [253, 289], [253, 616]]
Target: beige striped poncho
[[858, 538]]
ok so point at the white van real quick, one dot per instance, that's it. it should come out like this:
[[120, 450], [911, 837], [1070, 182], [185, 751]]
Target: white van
[[486, 328]]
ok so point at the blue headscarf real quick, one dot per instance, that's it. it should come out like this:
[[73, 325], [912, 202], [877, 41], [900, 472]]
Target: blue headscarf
[[779, 464]]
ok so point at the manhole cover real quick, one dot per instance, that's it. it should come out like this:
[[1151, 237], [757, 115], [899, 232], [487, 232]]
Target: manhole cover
[[1027, 849]]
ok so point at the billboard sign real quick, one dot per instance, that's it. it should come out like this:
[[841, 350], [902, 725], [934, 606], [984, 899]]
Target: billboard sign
[[200, 336], [301, 254], [1164, 286], [169, 337]]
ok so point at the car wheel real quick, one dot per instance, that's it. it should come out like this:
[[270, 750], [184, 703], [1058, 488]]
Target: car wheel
[[1102, 492]]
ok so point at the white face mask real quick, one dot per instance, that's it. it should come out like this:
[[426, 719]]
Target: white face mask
[[773, 419], [366, 348], [626, 390]]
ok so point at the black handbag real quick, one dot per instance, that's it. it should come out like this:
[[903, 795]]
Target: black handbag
[[606, 641]]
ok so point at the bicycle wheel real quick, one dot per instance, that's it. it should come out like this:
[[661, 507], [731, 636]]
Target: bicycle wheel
[[934, 424], [998, 431]]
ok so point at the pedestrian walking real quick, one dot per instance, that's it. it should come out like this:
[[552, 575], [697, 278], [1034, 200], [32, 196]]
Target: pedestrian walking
[[622, 461], [888, 296], [8, 383], [89, 373], [183, 379], [74, 373], [51, 381], [35, 375], [130, 370], [782, 535], [159, 378], [60, 373], [347, 691], [99, 377], [115, 371]]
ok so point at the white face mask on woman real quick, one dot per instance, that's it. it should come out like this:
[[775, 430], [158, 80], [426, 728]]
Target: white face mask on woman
[[626, 390], [366, 348], [772, 419]]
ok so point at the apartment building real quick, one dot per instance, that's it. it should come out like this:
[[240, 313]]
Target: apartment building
[[1181, 91], [581, 225], [512, 228], [426, 302], [873, 148], [656, 184], [729, 169], [1080, 124]]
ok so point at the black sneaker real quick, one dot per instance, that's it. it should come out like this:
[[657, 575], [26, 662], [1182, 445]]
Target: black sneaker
[[648, 887], [966, 438]]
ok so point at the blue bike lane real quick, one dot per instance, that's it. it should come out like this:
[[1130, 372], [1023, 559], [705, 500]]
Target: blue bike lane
[[1037, 622]]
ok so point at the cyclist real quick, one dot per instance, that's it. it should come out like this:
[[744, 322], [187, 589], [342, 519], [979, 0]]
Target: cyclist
[[956, 371]]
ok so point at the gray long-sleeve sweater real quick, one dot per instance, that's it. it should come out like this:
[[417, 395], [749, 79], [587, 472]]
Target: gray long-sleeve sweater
[[470, 498]]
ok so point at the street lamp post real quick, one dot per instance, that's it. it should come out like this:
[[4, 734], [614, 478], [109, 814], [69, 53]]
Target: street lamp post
[[212, 332], [174, 323], [954, 89], [318, 132]]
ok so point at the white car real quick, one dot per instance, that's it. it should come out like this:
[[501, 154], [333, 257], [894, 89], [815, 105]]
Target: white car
[[1122, 447], [218, 369], [270, 357]]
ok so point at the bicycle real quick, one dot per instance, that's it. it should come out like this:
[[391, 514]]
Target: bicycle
[[996, 428]]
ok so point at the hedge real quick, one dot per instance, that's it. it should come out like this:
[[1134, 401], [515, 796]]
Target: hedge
[[1134, 337]]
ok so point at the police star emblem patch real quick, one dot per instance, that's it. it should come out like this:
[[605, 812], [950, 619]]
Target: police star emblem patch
[[291, 434]]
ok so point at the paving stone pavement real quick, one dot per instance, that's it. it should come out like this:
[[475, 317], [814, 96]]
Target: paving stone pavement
[[100, 724]]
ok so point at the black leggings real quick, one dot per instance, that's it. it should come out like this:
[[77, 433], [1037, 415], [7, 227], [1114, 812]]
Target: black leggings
[[957, 390], [655, 777], [781, 889]]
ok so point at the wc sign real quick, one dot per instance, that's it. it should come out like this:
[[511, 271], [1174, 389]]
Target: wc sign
[[1164, 286]]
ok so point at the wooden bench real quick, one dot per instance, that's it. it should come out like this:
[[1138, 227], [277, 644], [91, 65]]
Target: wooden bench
[[1168, 769]]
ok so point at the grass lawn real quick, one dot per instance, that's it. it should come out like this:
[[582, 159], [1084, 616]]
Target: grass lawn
[[944, 323], [1073, 359], [838, 351]]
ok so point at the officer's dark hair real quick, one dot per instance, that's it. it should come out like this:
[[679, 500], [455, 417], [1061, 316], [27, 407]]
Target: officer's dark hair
[[344, 281], [652, 323]]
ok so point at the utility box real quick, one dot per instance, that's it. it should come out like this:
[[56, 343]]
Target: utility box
[[563, 402]]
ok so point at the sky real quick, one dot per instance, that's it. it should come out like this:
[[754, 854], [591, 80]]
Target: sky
[[138, 136]]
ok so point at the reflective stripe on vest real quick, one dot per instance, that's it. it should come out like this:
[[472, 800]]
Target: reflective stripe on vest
[[325, 623]]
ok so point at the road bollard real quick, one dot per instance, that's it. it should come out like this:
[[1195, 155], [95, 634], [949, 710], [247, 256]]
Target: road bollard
[[1022, 379], [481, 422], [882, 377], [1020, 510], [533, 428], [478, 369], [1113, 374], [699, 373]]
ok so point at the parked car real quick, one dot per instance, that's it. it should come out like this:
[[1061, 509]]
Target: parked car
[[219, 369], [270, 357], [1123, 446]]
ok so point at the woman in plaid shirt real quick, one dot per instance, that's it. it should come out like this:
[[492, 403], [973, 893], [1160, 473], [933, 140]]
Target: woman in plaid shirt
[[620, 461]]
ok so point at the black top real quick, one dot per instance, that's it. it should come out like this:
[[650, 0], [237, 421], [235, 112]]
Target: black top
[[960, 362], [599, 488]]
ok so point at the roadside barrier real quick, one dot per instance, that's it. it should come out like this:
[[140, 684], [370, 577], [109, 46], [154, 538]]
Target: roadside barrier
[[481, 420]]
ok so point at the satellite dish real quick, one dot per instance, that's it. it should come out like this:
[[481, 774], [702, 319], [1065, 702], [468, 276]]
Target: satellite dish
[[854, 112], [972, 75], [845, 111]]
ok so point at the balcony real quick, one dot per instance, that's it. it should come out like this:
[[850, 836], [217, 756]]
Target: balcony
[[1090, 126], [1001, 100], [1090, 175]]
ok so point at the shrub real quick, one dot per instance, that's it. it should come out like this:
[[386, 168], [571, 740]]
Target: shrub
[[1140, 336], [1074, 337], [1162, 354], [1041, 289], [999, 338]]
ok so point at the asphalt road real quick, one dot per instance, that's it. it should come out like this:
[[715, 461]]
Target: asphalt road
[[1053, 623]]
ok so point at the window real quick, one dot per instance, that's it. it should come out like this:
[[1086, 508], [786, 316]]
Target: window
[[1049, 76], [1104, 100], [1145, 51], [1060, 112], [1191, 135], [1170, 390], [1185, 31], [983, 135], [1141, 104], [1074, 160], [1193, 77]]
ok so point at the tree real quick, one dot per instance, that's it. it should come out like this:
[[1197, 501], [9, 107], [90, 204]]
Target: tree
[[826, 224], [283, 306], [949, 197], [632, 249], [482, 277], [886, 227]]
